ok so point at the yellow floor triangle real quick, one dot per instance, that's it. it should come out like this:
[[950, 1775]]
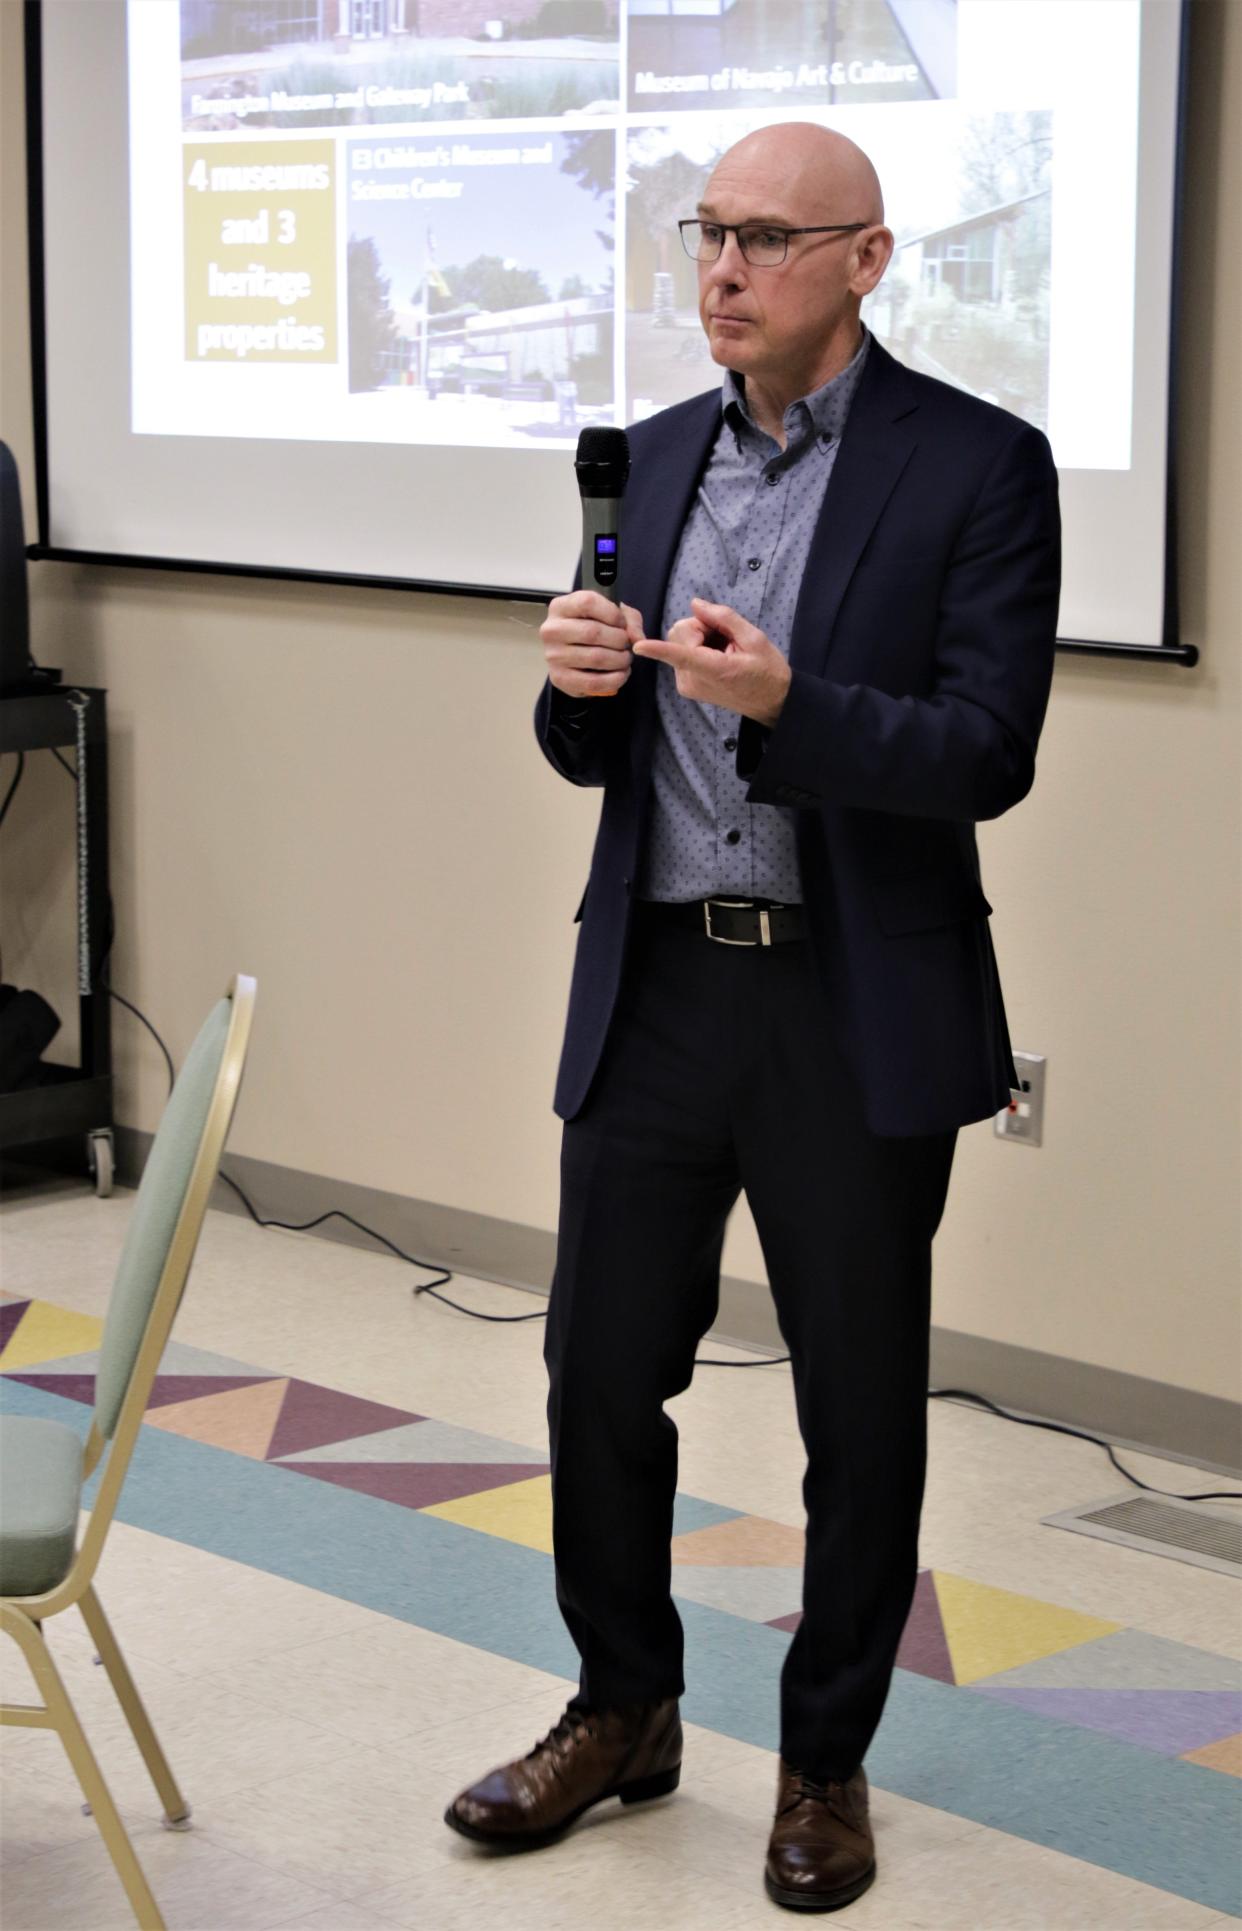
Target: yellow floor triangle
[[243, 1419], [518, 1512], [989, 1630], [45, 1333]]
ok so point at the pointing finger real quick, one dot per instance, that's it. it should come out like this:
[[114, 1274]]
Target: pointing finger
[[633, 622]]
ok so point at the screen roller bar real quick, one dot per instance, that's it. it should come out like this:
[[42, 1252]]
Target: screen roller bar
[[1185, 654]]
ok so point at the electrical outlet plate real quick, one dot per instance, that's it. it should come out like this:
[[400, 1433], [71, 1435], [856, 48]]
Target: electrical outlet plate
[[1023, 1119]]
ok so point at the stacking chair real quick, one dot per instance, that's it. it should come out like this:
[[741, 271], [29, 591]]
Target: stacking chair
[[44, 1464]]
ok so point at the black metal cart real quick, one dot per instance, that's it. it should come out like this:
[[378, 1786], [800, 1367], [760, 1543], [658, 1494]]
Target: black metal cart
[[64, 1101]]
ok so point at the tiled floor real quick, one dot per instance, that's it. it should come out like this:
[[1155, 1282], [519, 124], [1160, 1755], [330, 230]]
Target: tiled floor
[[332, 1582]]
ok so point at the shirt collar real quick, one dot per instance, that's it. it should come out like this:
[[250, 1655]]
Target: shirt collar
[[826, 407]]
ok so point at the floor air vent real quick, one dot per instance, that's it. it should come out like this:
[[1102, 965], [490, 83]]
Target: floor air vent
[[1187, 1531]]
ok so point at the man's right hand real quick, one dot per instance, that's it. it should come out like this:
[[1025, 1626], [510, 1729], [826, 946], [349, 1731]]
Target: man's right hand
[[587, 642]]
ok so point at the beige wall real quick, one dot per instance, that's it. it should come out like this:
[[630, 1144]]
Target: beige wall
[[340, 792]]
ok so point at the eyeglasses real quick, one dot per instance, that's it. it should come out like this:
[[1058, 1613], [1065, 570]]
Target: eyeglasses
[[762, 245]]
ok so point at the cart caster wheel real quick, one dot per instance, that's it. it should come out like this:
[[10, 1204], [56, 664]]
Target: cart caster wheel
[[178, 1823], [99, 1154]]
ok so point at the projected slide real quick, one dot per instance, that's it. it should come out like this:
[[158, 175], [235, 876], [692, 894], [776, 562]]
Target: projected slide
[[453, 222]]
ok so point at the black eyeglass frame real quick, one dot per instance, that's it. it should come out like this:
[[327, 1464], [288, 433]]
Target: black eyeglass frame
[[736, 227]]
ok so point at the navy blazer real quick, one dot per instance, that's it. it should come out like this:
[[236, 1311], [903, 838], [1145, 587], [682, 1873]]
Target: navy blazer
[[921, 659]]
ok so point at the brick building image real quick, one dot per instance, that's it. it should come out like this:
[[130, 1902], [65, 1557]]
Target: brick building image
[[217, 26]]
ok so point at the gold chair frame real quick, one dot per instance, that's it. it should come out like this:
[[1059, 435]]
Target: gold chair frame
[[22, 1617]]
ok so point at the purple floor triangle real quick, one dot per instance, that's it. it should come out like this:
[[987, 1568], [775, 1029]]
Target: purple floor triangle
[[312, 1416], [417, 1485], [1170, 1721], [10, 1314], [74, 1387], [923, 1647]]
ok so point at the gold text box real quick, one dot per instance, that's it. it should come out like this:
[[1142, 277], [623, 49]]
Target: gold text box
[[260, 251]]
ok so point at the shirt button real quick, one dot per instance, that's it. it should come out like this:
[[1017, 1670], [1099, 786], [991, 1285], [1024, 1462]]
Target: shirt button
[[754, 563], [730, 744], [772, 480], [731, 837]]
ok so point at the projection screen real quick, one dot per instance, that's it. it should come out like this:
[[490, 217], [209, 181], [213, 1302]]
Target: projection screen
[[331, 286]]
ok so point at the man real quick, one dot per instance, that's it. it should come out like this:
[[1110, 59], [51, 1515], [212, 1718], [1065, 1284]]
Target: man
[[784, 979]]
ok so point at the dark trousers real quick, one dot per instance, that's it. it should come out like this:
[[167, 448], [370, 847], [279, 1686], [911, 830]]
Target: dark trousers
[[720, 1073]]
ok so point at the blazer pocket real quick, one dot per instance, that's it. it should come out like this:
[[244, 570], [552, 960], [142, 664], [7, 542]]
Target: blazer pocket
[[934, 899]]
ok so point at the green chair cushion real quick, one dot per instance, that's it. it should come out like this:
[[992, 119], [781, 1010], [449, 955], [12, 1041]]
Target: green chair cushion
[[40, 1494], [153, 1218]]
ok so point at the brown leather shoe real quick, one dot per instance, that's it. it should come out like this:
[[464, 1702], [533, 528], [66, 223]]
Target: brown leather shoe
[[821, 1854], [633, 1754]]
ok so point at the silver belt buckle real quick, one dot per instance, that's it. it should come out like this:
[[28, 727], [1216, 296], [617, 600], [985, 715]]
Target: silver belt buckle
[[744, 904]]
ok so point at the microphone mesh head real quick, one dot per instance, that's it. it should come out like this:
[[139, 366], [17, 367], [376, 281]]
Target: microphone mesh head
[[602, 444], [603, 460]]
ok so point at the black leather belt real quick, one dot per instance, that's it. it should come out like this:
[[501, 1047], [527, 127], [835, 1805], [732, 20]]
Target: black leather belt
[[732, 921]]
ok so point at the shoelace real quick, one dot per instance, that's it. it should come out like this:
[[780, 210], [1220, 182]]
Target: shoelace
[[806, 1788], [573, 1724]]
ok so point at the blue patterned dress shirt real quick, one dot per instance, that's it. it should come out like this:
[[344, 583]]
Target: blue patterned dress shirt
[[745, 544]]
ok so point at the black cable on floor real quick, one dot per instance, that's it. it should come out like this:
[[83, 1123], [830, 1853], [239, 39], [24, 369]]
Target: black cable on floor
[[760, 1361], [17, 778], [700, 1361], [338, 1213], [959, 1395], [121, 1001], [332, 1213]]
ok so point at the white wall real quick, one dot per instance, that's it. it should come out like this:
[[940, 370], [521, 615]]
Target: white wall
[[339, 791]]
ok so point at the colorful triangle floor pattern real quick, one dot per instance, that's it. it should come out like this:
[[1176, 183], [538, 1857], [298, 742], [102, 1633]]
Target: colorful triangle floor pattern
[[11, 1313], [1056, 1662], [416, 1485], [241, 1416], [959, 1631], [1174, 1722], [43, 1332]]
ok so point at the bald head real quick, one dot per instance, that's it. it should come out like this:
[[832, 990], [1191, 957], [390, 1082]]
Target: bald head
[[788, 326], [821, 175]]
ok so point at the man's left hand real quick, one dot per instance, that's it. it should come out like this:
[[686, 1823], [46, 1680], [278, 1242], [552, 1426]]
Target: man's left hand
[[749, 675]]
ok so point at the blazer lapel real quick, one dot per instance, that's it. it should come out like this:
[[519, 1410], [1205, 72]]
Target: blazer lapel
[[878, 442]]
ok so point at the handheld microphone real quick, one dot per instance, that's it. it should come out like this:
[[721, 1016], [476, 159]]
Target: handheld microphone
[[602, 466]]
